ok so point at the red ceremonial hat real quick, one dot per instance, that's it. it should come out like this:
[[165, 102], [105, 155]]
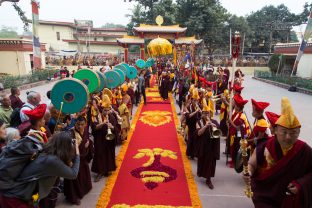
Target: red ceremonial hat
[[36, 113], [260, 105], [239, 100], [272, 117], [238, 88]]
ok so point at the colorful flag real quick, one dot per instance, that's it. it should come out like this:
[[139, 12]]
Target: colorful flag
[[305, 38], [36, 42]]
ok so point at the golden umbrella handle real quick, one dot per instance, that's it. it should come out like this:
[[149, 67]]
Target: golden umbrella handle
[[244, 147]]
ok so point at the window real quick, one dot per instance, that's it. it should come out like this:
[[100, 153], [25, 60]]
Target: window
[[95, 39], [58, 36]]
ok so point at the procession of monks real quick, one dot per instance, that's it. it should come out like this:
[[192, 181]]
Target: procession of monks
[[280, 164]]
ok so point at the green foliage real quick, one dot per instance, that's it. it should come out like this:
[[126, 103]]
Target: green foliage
[[276, 62], [38, 75], [210, 21], [22, 16], [8, 32], [297, 81]]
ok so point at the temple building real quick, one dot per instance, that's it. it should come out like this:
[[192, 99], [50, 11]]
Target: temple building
[[16, 56], [290, 50], [144, 33], [67, 36]]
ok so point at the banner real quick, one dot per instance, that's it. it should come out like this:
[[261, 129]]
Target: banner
[[36, 43], [305, 38]]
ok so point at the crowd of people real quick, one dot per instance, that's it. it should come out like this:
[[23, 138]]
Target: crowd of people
[[45, 152]]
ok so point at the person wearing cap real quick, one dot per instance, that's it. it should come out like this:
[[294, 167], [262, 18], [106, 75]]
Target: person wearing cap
[[237, 89], [207, 147], [104, 149], [125, 117], [281, 168], [272, 118], [261, 129], [191, 117], [36, 123], [237, 123], [126, 99]]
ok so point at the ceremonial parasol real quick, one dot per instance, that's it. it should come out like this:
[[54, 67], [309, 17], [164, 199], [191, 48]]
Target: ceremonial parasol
[[159, 47], [90, 78], [69, 96]]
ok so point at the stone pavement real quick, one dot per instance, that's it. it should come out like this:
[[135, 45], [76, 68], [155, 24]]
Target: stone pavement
[[228, 184]]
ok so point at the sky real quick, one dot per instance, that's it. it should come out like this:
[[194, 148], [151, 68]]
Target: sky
[[114, 11]]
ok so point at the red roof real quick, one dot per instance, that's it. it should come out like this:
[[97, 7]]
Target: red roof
[[291, 48]]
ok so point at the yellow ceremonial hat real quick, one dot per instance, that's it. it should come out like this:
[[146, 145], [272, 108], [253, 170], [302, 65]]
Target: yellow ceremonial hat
[[288, 119], [124, 87], [119, 95], [106, 102], [195, 94]]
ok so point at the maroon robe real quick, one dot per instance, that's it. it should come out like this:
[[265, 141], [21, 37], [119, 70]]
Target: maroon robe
[[16, 102], [78, 188], [270, 185], [208, 152], [104, 150], [191, 123]]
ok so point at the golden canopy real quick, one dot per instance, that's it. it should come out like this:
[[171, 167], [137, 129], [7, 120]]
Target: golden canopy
[[159, 47]]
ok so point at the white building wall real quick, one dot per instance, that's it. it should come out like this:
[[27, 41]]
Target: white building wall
[[113, 49], [305, 66], [48, 35], [12, 62]]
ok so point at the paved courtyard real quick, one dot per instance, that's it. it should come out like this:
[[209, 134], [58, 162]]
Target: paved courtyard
[[229, 186]]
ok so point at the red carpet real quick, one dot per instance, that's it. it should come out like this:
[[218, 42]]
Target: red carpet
[[153, 172]]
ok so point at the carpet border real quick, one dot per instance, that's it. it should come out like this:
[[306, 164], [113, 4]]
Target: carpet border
[[105, 195], [187, 165]]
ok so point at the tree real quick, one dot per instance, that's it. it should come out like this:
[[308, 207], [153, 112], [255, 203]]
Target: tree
[[8, 32], [113, 25], [270, 25], [137, 17], [19, 11], [206, 20], [276, 62], [168, 10]]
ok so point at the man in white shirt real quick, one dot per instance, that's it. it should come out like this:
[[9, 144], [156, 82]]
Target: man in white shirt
[[33, 99]]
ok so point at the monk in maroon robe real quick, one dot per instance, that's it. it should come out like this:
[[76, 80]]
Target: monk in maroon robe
[[74, 190], [104, 147], [191, 117], [208, 148], [281, 167]]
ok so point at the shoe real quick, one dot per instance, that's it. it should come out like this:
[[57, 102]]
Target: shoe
[[210, 185]]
